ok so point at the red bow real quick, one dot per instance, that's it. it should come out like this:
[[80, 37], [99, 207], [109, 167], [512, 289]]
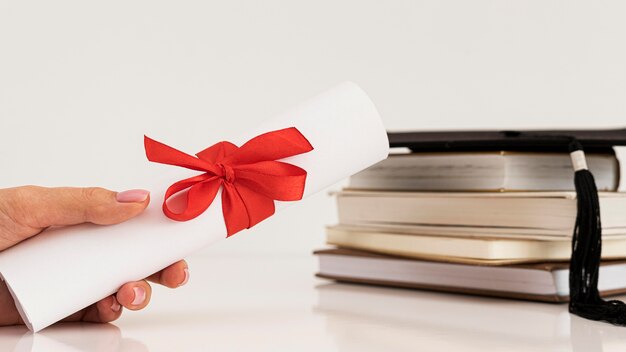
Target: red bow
[[250, 175]]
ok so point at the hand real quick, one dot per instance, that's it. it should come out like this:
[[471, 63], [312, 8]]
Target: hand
[[27, 211]]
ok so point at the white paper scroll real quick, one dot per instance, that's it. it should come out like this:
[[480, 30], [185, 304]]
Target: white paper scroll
[[64, 270]]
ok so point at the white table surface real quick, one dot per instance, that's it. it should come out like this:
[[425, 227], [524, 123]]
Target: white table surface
[[273, 303]]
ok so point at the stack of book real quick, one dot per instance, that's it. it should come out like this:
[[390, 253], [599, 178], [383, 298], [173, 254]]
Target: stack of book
[[495, 223]]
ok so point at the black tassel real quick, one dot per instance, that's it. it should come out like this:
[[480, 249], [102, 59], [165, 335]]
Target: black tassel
[[585, 300]]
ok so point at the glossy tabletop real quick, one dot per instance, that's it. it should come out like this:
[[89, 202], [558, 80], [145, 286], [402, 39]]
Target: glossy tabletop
[[274, 303]]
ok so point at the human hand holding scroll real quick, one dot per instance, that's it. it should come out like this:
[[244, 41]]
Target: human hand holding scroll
[[28, 211], [231, 186]]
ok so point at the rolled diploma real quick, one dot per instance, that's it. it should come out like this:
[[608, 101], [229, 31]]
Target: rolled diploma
[[64, 270]]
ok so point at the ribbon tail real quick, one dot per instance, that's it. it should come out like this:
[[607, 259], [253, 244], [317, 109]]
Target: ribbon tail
[[259, 207], [234, 210], [244, 208], [161, 153]]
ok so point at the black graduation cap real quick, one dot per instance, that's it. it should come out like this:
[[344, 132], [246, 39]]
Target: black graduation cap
[[585, 299]]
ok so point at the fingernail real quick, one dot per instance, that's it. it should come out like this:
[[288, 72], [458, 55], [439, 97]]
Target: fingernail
[[132, 196], [115, 306], [140, 296], [186, 278]]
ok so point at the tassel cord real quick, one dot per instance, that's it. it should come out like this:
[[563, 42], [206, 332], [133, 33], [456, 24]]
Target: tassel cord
[[585, 300]]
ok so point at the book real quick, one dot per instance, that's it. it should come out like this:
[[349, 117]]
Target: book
[[473, 231], [486, 251], [484, 171], [457, 214], [547, 282], [534, 210]]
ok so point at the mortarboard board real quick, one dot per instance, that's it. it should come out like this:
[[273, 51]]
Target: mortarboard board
[[585, 299]]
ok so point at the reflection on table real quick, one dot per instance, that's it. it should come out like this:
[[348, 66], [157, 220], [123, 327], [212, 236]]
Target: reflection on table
[[367, 318], [273, 303], [68, 338]]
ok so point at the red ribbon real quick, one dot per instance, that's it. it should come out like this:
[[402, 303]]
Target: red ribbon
[[250, 177]]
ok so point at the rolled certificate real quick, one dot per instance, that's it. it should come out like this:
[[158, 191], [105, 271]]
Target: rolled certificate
[[64, 270]]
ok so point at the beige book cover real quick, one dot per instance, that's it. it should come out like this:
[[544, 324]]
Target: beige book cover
[[486, 251]]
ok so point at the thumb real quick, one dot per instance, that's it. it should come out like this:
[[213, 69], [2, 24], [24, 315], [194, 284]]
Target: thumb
[[40, 207]]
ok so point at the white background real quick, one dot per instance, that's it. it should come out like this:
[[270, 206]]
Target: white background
[[82, 81]]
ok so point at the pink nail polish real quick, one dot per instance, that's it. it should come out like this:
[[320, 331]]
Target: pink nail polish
[[186, 278], [140, 296], [132, 196], [115, 306]]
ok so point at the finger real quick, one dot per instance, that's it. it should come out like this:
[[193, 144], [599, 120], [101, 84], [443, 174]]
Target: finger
[[105, 311], [8, 312], [40, 207], [134, 295], [173, 276]]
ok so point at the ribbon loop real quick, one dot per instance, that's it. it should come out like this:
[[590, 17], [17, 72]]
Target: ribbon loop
[[250, 176]]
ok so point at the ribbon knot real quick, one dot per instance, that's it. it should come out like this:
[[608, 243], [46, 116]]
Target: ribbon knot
[[228, 173], [250, 176]]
